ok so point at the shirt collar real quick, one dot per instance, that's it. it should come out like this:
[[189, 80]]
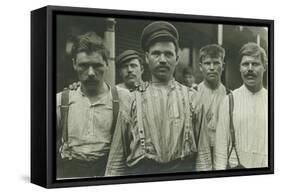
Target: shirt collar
[[172, 84], [104, 100], [250, 93]]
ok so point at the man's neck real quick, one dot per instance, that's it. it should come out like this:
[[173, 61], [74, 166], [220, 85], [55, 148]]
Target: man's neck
[[156, 81], [97, 91], [132, 85], [212, 85], [254, 89]]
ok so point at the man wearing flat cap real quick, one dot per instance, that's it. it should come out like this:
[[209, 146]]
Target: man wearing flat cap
[[130, 65], [160, 137]]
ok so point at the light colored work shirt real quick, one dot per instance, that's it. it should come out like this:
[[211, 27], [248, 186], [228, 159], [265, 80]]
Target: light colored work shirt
[[206, 103], [250, 119], [89, 124], [167, 128]]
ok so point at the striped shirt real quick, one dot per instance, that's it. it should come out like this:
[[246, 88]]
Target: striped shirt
[[250, 119], [161, 128], [206, 103], [89, 124]]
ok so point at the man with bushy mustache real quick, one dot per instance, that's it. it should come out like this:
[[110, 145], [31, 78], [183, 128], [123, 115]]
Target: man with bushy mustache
[[247, 144], [130, 66], [160, 137]]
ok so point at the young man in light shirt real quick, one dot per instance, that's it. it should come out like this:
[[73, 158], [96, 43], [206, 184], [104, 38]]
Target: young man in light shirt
[[210, 93]]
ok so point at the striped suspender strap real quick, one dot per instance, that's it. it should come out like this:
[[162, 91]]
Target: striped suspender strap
[[65, 108], [64, 115], [115, 107], [139, 119]]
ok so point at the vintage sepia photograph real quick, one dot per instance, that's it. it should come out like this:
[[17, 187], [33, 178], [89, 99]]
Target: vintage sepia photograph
[[139, 96]]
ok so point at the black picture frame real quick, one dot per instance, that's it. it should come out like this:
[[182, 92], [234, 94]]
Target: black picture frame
[[43, 98]]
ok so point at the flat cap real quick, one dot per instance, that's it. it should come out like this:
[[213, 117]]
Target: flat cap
[[158, 29], [127, 55]]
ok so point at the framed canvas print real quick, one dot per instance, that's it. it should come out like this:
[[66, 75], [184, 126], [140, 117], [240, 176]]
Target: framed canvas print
[[126, 96]]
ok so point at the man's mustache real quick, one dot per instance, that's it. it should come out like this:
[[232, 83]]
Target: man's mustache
[[163, 66], [130, 76], [90, 81], [247, 74]]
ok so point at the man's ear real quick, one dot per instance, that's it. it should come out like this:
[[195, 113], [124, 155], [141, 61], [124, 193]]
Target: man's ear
[[200, 67], [265, 66], [146, 58], [74, 64], [107, 65], [142, 69], [223, 65], [177, 59]]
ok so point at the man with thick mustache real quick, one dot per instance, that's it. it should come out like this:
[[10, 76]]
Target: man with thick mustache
[[249, 116], [210, 93], [160, 138], [130, 65], [87, 117]]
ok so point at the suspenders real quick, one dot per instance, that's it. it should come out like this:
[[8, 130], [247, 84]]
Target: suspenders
[[64, 109], [141, 132], [232, 131], [64, 115]]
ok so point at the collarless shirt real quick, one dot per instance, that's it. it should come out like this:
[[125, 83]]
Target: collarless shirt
[[206, 103], [250, 119], [167, 128]]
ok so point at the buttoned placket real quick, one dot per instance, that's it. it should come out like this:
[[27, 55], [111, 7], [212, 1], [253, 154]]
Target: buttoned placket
[[91, 120], [90, 126]]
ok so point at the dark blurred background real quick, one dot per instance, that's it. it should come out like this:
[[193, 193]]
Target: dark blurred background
[[121, 34]]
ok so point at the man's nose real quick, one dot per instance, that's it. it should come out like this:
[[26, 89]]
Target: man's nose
[[130, 69], [212, 66], [162, 58], [250, 68], [91, 71]]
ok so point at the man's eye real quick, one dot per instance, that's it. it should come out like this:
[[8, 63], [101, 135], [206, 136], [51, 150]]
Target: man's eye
[[155, 53], [168, 55], [98, 65], [133, 65], [83, 65]]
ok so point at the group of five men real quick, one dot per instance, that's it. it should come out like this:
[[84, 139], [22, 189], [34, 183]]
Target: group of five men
[[160, 126]]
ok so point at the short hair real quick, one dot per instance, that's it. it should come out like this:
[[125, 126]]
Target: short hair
[[212, 50], [254, 50], [89, 42]]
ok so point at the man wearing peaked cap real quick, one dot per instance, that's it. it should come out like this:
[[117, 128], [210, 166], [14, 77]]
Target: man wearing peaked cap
[[160, 137], [130, 65], [157, 30]]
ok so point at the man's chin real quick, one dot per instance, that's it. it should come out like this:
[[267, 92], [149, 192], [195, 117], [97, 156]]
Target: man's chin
[[163, 76], [90, 87], [131, 81]]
